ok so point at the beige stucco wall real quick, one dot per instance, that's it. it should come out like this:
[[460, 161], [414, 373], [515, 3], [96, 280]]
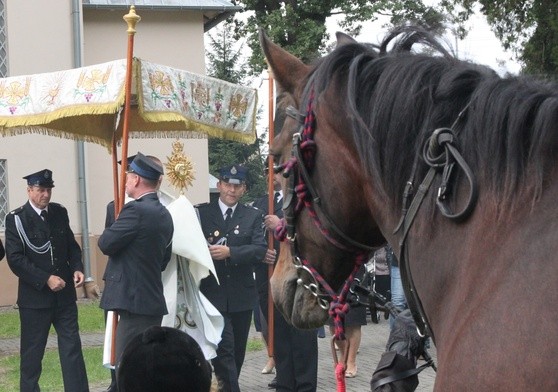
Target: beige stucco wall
[[40, 39]]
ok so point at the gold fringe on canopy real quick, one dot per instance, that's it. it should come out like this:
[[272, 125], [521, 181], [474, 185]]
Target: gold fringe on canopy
[[195, 102], [85, 104]]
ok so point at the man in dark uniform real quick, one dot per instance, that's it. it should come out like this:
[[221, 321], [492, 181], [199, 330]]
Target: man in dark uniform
[[295, 350], [43, 253], [109, 220], [235, 238], [138, 244]]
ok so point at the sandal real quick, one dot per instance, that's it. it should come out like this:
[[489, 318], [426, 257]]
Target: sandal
[[351, 374]]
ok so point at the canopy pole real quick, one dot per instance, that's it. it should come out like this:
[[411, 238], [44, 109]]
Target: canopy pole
[[115, 175], [271, 209], [131, 19]]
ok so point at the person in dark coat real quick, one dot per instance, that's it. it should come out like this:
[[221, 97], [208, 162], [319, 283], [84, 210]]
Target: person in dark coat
[[235, 239], [43, 253], [138, 244], [109, 220], [295, 350]]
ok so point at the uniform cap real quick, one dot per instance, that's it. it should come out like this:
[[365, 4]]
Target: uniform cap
[[234, 174], [163, 359], [129, 160], [146, 167], [41, 178]]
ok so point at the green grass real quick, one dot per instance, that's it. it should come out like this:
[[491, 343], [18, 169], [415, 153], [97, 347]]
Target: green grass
[[91, 320], [51, 377]]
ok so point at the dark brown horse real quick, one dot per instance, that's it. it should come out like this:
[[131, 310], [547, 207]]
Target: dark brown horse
[[381, 122]]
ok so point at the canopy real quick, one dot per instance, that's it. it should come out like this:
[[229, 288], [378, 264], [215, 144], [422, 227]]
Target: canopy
[[85, 104]]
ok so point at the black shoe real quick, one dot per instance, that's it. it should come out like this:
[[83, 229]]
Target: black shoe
[[112, 388], [273, 383]]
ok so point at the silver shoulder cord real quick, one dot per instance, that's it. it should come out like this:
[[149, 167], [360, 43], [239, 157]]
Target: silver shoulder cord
[[24, 239]]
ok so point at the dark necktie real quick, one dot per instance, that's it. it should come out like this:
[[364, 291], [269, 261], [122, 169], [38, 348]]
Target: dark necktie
[[44, 215], [228, 215]]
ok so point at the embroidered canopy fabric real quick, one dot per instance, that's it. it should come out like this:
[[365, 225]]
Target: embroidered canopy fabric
[[86, 104]]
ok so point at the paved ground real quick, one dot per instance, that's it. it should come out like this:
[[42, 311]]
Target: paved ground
[[374, 338]]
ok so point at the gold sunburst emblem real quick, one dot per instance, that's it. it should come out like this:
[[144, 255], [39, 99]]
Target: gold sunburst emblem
[[180, 169]]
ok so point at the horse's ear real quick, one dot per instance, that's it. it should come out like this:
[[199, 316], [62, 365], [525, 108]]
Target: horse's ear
[[287, 69], [344, 39]]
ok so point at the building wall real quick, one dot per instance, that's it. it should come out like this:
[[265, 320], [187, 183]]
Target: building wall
[[40, 39]]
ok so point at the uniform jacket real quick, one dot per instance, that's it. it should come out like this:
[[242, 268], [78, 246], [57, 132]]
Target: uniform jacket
[[139, 247], [34, 269], [236, 289]]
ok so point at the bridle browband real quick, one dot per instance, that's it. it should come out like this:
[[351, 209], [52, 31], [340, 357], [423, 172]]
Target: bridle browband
[[301, 194]]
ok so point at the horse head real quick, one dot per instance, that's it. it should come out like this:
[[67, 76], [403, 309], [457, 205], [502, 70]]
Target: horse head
[[322, 235], [453, 165]]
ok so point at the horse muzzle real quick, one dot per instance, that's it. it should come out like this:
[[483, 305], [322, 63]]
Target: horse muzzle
[[298, 304]]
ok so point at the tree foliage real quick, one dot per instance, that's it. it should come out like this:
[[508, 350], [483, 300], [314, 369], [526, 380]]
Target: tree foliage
[[300, 26], [529, 28]]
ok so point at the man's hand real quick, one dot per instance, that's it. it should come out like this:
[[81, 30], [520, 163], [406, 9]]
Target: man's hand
[[271, 222], [79, 279], [270, 256], [56, 283], [219, 252]]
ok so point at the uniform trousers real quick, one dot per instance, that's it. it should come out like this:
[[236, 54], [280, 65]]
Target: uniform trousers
[[232, 349], [129, 326], [296, 357], [35, 327]]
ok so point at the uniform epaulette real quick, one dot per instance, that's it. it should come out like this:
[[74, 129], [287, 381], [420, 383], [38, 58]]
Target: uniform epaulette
[[17, 210], [56, 204], [201, 205]]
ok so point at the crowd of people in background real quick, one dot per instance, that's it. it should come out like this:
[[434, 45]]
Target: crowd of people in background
[[42, 252]]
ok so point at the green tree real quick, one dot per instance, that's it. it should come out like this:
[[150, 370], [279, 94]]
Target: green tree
[[225, 62], [300, 26], [529, 28]]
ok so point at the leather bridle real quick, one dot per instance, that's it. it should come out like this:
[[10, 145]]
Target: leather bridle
[[441, 153], [302, 194]]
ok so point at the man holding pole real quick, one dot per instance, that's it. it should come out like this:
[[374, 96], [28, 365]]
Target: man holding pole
[[295, 350], [138, 244]]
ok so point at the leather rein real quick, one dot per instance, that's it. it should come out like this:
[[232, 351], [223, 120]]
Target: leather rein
[[442, 155]]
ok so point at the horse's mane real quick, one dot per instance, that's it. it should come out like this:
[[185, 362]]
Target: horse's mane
[[397, 98]]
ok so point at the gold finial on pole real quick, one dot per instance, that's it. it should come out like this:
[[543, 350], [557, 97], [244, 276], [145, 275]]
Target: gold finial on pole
[[132, 19]]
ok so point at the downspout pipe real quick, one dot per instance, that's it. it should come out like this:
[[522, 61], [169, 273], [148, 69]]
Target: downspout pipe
[[82, 197]]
